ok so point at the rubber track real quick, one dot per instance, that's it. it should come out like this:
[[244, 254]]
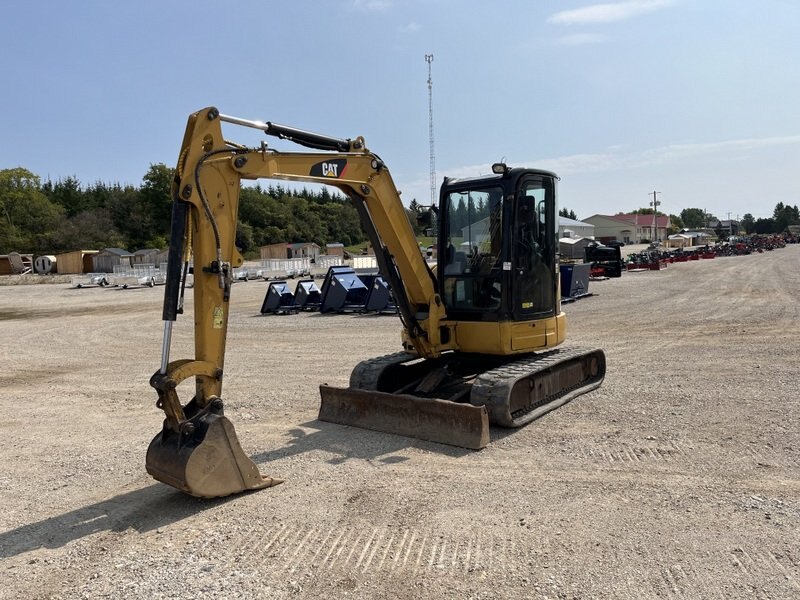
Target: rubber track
[[366, 374], [493, 388]]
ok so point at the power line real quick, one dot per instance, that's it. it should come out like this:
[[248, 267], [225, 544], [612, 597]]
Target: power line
[[655, 204]]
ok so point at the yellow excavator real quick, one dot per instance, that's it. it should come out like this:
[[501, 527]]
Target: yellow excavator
[[482, 330]]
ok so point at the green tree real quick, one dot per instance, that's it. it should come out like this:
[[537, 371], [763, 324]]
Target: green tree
[[785, 215], [91, 229], [694, 218], [764, 226], [245, 241], [460, 218], [748, 223], [143, 215], [127, 216], [156, 198], [27, 217], [344, 225], [68, 194]]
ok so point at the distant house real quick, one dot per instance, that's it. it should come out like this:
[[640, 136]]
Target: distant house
[[570, 228], [284, 250], [628, 228], [108, 258], [334, 250], [724, 227], [680, 240], [146, 256]]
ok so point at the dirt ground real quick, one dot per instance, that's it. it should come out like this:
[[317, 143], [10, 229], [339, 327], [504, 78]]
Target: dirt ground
[[678, 478]]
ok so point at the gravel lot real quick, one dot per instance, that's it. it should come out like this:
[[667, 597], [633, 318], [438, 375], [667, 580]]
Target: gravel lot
[[678, 478]]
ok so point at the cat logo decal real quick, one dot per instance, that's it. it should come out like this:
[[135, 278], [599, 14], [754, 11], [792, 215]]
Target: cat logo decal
[[333, 169]]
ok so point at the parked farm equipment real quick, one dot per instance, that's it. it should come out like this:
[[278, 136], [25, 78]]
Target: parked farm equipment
[[605, 261]]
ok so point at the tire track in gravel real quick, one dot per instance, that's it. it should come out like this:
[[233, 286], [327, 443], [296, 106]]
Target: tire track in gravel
[[764, 572], [687, 456], [380, 549], [752, 565]]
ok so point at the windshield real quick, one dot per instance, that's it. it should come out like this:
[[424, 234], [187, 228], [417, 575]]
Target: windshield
[[473, 250], [474, 226]]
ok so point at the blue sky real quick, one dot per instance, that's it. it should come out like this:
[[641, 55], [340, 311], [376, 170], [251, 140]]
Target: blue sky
[[695, 99]]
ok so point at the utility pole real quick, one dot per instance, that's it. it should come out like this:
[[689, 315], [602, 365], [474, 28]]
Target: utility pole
[[730, 225], [429, 60], [655, 204]]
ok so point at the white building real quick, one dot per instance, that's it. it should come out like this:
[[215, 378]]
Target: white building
[[570, 228]]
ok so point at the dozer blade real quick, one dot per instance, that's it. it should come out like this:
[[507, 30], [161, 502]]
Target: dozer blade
[[428, 419], [206, 460]]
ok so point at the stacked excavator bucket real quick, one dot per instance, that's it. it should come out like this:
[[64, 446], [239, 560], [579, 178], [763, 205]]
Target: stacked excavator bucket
[[379, 298], [279, 299], [342, 291], [307, 295]]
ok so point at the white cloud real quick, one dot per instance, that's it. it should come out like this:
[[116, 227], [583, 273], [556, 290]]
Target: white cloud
[[370, 5], [615, 159], [608, 13], [581, 39], [412, 27]]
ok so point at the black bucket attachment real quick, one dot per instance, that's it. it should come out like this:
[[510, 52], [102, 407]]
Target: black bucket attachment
[[575, 280], [279, 299], [342, 291], [307, 295], [431, 419], [379, 298]]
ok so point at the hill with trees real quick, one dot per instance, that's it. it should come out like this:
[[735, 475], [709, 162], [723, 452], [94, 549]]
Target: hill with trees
[[56, 216]]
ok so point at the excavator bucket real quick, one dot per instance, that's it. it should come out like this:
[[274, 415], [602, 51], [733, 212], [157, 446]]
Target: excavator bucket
[[430, 419], [205, 459]]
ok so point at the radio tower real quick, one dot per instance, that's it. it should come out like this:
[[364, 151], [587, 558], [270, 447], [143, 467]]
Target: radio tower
[[429, 60]]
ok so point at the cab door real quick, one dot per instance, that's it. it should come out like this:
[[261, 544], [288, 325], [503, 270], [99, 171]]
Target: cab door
[[533, 254]]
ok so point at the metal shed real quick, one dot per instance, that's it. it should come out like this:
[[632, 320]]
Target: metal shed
[[334, 249], [573, 247], [146, 256]]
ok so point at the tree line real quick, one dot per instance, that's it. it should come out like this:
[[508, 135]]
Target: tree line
[[697, 218], [782, 216], [48, 217]]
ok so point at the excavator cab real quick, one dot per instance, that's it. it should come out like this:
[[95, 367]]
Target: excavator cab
[[498, 246]]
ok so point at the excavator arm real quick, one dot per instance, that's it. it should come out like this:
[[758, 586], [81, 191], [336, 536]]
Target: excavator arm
[[197, 450]]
